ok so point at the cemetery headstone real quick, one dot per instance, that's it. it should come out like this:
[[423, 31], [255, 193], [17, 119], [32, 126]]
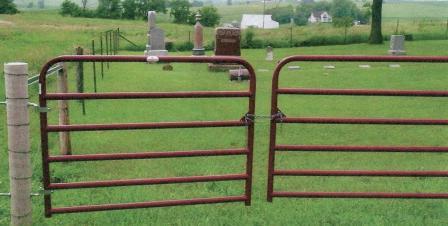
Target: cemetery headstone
[[227, 42], [269, 54], [198, 49], [397, 45], [238, 74], [156, 38], [394, 65]]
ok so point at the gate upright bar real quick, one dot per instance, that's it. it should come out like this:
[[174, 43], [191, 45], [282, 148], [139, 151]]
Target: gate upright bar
[[46, 128], [279, 117]]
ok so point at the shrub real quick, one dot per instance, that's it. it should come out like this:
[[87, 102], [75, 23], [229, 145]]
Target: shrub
[[8, 7], [70, 8]]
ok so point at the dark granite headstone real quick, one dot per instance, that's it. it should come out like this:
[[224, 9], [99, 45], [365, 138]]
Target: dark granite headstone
[[227, 42]]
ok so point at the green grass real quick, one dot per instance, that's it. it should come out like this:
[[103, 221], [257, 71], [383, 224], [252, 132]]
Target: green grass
[[37, 41], [140, 77]]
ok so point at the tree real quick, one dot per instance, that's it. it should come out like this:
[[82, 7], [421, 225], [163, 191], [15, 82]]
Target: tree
[[376, 36], [8, 7], [344, 8], [282, 15], [303, 11], [143, 6], [108, 9], [84, 4], [180, 10], [129, 9], [210, 16], [344, 22]]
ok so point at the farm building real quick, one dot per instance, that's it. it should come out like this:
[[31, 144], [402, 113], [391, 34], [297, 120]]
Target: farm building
[[258, 21], [320, 17]]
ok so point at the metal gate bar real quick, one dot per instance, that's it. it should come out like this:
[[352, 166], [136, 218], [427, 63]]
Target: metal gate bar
[[46, 128], [274, 147]]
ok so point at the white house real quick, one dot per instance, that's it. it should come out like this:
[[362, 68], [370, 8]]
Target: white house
[[258, 21], [320, 17]]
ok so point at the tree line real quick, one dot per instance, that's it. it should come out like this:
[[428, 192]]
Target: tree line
[[180, 10]]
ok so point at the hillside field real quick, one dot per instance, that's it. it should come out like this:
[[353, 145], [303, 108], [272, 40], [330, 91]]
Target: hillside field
[[22, 37]]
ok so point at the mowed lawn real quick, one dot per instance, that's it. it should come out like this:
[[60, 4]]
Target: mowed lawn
[[184, 77]]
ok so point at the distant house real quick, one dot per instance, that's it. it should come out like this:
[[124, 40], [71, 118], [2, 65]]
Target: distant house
[[320, 17], [258, 21]]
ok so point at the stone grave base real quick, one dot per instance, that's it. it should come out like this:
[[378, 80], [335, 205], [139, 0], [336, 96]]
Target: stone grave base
[[156, 53], [238, 75], [223, 67], [397, 52], [198, 52]]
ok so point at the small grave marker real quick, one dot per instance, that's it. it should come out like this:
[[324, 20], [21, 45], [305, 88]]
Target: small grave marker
[[364, 66], [269, 53]]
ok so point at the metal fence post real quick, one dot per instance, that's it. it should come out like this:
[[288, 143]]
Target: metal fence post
[[80, 77], [94, 67], [16, 77], [64, 137], [101, 52]]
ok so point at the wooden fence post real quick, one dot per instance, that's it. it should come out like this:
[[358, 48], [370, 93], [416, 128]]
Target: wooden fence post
[[80, 77], [64, 137], [16, 77], [118, 38]]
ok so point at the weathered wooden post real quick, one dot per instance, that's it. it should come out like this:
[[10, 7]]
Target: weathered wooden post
[[94, 66], [64, 137], [80, 78], [118, 38], [16, 77]]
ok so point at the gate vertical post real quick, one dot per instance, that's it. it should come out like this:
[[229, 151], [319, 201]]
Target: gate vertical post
[[64, 137], [16, 77], [273, 130]]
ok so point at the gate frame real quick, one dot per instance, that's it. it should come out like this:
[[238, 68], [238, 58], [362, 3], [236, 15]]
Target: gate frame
[[243, 122], [279, 117]]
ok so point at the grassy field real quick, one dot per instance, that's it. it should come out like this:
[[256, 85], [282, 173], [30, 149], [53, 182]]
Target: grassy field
[[139, 77], [33, 41], [39, 35]]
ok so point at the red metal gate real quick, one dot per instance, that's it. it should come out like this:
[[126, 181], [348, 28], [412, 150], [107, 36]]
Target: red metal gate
[[45, 129], [279, 117]]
